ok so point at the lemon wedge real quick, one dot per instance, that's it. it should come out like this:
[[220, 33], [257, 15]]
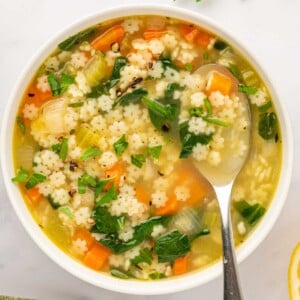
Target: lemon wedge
[[294, 274]]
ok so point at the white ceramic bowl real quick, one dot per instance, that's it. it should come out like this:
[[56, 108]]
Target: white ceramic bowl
[[105, 281]]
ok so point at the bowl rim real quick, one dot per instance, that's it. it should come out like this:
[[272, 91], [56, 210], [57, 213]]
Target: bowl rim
[[69, 264]]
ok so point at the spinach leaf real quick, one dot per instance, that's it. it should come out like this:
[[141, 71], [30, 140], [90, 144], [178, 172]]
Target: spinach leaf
[[145, 256], [120, 145], [235, 72], [162, 116], [53, 204], [21, 124], [35, 179], [73, 40], [59, 85], [133, 97], [249, 90], [251, 213], [119, 274], [66, 210], [103, 88], [109, 196], [267, 126], [171, 88], [189, 140], [167, 63], [141, 232], [171, 245], [54, 84], [155, 151], [90, 152], [104, 221], [138, 160], [84, 181], [22, 176], [100, 185], [220, 45], [63, 151], [265, 107]]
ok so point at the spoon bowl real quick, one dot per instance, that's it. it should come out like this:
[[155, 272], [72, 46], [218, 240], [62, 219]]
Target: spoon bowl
[[222, 176]]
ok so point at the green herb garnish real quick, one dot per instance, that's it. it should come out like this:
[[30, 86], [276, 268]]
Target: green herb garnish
[[189, 67], [22, 176], [265, 107], [171, 88], [119, 274], [133, 97], [251, 213], [63, 151], [76, 104], [205, 55], [208, 106], [21, 124], [145, 256], [235, 71], [155, 151], [138, 160], [167, 63], [59, 85], [109, 196], [35, 179], [90, 152], [249, 90], [216, 121], [171, 245], [73, 40], [66, 210], [85, 181], [220, 45], [51, 201], [120, 145], [189, 140], [267, 126]]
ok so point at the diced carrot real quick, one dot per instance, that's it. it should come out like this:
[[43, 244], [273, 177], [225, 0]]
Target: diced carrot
[[84, 235], [153, 34], [180, 265], [219, 82], [189, 32], [170, 208], [112, 35], [34, 195], [142, 194], [115, 173], [36, 96], [203, 39], [96, 257]]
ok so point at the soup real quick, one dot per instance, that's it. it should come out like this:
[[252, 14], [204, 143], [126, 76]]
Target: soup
[[112, 134]]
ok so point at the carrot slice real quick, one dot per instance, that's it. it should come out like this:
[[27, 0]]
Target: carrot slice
[[189, 32], [34, 195], [114, 34], [142, 194], [96, 257], [219, 82], [84, 235], [203, 39], [170, 208], [153, 34], [36, 96], [115, 173], [180, 265]]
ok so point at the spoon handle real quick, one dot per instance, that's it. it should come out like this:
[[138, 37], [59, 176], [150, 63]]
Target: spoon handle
[[232, 290]]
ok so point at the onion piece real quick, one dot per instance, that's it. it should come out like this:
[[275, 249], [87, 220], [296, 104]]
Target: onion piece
[[25, 156]]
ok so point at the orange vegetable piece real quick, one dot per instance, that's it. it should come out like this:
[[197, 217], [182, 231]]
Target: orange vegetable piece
[[180, 265], [142, 194], [189, 32], [36, 96], [115, 172], [96, 257], [34, 195], [203, 39], [170, 208], [219, 82], [84, 235], [112, 35], [153, 34]]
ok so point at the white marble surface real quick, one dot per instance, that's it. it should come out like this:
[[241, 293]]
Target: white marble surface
[[269, 28]]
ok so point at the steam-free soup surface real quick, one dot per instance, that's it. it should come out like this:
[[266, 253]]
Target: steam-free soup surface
[[110, 131]]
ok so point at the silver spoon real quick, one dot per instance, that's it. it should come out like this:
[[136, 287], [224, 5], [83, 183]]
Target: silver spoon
[[222, 179]]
